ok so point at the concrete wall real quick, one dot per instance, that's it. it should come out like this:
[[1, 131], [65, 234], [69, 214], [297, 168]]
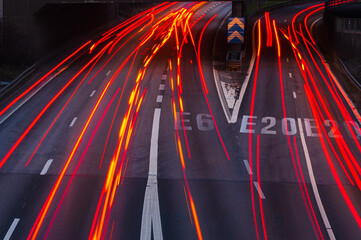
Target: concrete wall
[[1, 8], [344, 32]]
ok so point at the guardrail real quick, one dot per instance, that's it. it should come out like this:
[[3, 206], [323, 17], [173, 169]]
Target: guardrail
[[348, 25], [6, 90], [357, 83]]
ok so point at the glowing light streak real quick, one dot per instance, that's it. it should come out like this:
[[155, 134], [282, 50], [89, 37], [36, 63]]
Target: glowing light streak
[[305, 22], [299, 13], [288, 137], [269, 29], [309, 205], [204, 88], [345, 155], [259, 187], [36, 227], [78, 165], [330, 163], [332, 90], [251, 120], [328, 140], [6, 157], [66, 104]]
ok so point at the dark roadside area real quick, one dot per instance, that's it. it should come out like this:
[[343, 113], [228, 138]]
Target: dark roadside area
[[9, 72], [347, 68], [13, 75]]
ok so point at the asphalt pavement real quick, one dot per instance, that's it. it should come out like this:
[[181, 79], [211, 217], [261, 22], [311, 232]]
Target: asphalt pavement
[[138, 149]]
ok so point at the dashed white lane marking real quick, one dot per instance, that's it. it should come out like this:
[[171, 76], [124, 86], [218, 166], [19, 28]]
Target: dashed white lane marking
[[164, 77], [11, 229], [287, 60], [151, 213], [159, 98], [46, 167], [285, 20], [294, 95], [73, 122], [259, 190], [247, 167], [108, 73], [290, 74], [313, 183], [161, 87], [92, 94]]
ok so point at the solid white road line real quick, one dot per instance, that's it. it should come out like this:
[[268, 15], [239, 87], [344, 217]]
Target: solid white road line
[[290, 74], [73, 122], [11, 229], [92, 94], [313, 183], [294, 95], [259, 190], [159, 98], [287, 60], [46, 167], [151, 212], [161, 87], [108, 73], [247, 167]]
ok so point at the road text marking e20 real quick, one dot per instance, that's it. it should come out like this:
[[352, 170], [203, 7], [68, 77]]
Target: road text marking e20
[[270, 126]]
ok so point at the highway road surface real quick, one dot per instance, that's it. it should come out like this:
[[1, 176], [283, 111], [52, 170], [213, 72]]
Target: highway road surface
[[126, 137]]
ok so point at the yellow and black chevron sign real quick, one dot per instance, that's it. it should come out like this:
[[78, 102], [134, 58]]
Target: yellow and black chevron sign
[[236, 27]]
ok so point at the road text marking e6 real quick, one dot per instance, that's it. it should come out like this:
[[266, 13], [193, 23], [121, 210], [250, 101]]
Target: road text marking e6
[[182, 121], [204, 121]]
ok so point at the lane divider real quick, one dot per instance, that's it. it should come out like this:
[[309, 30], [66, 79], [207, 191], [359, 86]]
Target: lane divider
[[73, 122], [92, 94], [46, 167], [11, 229], [159, 98], [259, 190], [249, 170]]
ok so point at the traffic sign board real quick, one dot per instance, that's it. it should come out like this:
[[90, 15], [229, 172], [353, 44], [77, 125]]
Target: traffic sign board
[[236, 27]]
